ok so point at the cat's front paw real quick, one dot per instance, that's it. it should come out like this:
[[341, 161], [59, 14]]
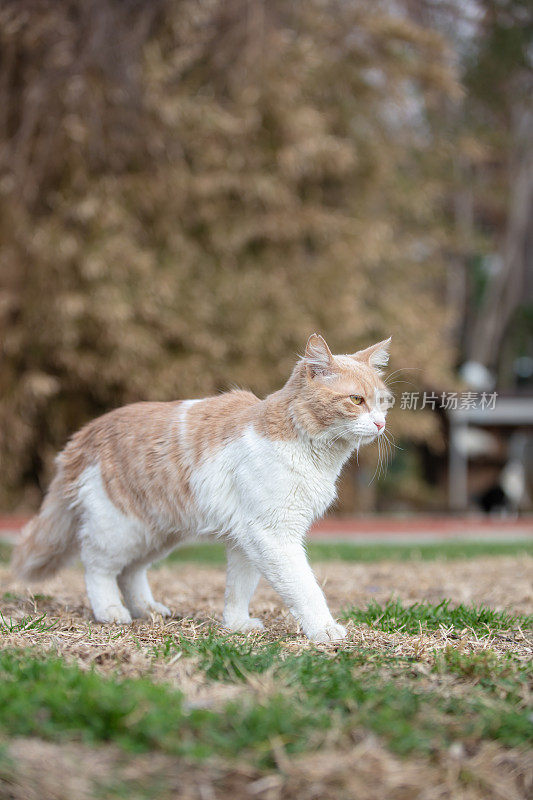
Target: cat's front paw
[[331, 632], [116, 614], [159, 608], [146, 612], [247, 625]]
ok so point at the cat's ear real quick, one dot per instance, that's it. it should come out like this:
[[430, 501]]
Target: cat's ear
[[318, 358], [377, 355]]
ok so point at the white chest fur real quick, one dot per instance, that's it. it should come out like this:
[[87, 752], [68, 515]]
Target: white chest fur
[[257, 481]]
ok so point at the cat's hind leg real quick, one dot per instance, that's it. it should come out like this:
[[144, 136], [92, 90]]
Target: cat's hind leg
[[133, 582], [241, 582], [104, 596], [108, 541]]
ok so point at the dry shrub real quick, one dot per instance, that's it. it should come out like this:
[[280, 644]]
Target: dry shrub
[[187, 190]]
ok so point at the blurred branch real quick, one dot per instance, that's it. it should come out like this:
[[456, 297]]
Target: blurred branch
[[506, 290]]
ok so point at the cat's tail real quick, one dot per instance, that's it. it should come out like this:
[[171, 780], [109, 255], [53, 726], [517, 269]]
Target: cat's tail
[[48, 541]]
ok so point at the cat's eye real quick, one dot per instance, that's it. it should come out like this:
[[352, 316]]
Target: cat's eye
[[357, 399]]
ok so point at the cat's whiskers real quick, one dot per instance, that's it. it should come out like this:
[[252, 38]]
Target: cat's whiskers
[[376, 471], [403, 369], [399, 380], [391, 442], [385, 455], [388, 382], [388, 450]]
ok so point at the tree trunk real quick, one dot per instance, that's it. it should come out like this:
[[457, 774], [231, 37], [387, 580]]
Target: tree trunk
[[505, 292]]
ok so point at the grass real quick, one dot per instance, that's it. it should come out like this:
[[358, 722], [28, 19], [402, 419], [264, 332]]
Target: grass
[[430, 551], [506, 677], [27, 623], [224, 658], [394, 616], [5, 552], [368, 552], [269, 701], [312, 694], [214, 553]]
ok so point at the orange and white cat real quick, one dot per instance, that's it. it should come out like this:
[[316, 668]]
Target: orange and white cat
[[142, 479]]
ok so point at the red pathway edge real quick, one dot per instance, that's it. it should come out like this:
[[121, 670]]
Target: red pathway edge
[[420, 525]]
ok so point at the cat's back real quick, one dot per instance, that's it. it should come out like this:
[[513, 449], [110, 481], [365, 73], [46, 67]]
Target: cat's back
[[141, 435], [117, 436], [144, 454], [214, 422]]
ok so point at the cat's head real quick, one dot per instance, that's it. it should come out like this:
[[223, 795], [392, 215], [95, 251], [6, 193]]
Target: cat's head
[[343, 396]]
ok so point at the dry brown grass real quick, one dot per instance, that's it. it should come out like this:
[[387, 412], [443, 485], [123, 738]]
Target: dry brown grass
[[195, 593], [363, 769]]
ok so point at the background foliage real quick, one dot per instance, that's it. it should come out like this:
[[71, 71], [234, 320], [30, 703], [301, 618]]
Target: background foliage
[[188, 190]]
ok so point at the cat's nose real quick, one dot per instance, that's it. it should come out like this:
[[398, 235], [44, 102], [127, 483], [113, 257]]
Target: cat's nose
[[379, 425]]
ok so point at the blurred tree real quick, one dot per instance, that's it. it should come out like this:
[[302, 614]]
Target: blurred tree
[[188, 190], [499, 80]]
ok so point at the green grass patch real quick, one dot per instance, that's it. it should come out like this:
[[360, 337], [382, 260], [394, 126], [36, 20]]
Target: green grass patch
[[429, 551], [395, 616], [506, 677], [223, 658], [314, 693], [368, 552], [214, 553], [27, 623], [5, 552]]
